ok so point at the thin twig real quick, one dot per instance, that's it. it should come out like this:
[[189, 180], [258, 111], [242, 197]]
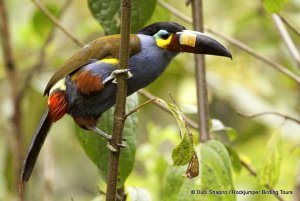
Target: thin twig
[[200, 73], [189, 132], [157, 103], [253, 53], [137, 108], [286, 38], [253, 172], [286, 117], [238, 44], [174, 11], [119, 121], [42, 53], [285, 21], [57, 23]]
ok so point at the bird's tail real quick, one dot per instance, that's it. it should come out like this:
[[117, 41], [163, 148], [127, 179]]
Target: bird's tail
[[57, 107], [35, 147]]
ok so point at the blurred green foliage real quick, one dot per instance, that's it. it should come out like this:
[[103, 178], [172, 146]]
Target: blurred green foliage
[[273, 6], [107, 13], [244, 84]]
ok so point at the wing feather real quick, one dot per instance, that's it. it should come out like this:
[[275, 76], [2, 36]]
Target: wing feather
[[103, 47]]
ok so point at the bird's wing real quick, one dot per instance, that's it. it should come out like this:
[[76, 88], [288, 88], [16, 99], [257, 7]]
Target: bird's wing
[[103, 47], [94, 76]]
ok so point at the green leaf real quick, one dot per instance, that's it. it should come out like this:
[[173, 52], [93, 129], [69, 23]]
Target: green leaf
[[215, 171], [235, 160], [95, 146], [273, 6], [174, 179], [137, 194], [269, 172], [183, 153], [141, 12], [217, 125], [107, 13], [41, 23]]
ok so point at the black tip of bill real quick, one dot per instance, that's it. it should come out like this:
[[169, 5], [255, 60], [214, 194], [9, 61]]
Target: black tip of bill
[[199, 43], [211, 46]]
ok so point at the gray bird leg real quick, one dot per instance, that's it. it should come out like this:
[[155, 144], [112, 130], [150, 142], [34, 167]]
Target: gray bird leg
[[107, 137], [102, 133]]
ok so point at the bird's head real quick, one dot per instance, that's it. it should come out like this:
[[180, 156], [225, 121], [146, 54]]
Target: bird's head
[[175, 38]]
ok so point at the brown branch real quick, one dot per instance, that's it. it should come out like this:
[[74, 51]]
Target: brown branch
[[200, 72], [238, 44], [286, 117], [16, 138], [57, 23], [119, 121], [137, 108]]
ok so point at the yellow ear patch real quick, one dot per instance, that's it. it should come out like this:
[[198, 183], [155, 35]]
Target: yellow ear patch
[[163, 43], [188, 39]]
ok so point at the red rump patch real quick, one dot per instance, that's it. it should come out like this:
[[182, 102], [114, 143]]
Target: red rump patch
[[57, 105], [87, 83]]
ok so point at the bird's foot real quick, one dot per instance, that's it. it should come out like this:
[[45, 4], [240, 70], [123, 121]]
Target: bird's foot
[[113, 149], [113, 76], [109, 138]]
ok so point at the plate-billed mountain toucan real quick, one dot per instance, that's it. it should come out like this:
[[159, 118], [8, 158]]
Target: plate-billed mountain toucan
[[84, 86]]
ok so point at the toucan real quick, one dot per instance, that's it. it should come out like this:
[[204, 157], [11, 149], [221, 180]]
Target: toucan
[[85, 86]]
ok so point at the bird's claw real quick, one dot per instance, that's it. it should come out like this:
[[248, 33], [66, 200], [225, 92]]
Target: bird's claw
[[113, 149], [127, 73], [114, 74]]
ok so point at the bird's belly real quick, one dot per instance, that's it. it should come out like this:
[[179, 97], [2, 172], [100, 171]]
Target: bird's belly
[[93, 105]]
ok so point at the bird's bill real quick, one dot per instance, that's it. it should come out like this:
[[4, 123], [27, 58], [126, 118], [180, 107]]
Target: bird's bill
[[198, 43]]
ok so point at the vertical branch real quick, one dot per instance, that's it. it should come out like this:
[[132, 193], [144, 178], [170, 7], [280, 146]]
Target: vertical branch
[[120, 102], [16, 137], [202, 100]]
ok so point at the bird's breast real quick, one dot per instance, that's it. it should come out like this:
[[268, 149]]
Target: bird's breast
[[148, 64]]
